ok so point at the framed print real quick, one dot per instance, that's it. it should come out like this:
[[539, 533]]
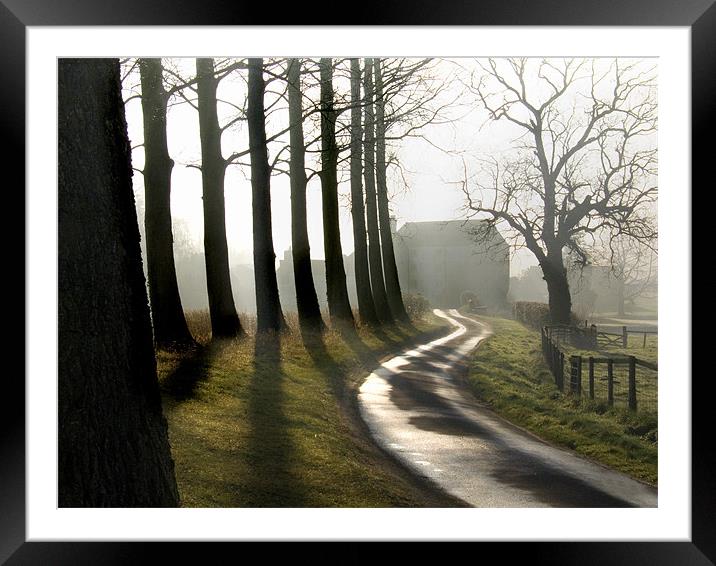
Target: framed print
[[346, 399]]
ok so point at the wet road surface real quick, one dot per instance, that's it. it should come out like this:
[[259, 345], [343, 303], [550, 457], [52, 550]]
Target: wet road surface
[[417, 408]]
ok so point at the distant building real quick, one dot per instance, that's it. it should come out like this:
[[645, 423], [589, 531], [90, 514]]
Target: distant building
[[446, 263], [440, 260], [287, 285]]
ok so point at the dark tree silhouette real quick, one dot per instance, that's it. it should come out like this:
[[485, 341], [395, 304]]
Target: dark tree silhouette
[[380, 297], [170, 328], [113, 446], [390, 268], [224, 320], [338, 305], [366, 306], [309, 310], [268, 305]]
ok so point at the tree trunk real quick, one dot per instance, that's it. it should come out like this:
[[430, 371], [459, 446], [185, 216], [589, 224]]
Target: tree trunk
[[268, 304], [309, 311], [224, 320], [380, 298], [560, 299], [360, 255], [170, 329], [390, 269], [338, 305], [112, 438]]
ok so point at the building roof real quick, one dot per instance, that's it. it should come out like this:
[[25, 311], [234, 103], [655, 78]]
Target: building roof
[[445, 233]]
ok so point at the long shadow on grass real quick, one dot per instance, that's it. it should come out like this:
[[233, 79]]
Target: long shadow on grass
[[182, 383], [324, 362], [269, 446], [366, 354]]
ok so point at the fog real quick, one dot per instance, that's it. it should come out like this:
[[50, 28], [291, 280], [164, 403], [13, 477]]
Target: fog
[[426, 186]]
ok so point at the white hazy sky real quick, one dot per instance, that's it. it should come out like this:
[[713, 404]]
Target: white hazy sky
[[430, 191]]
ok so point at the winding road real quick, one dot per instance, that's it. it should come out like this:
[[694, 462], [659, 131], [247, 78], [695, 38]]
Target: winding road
[[418, 409]]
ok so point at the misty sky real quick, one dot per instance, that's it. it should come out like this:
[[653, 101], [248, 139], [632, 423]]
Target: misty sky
[[426, 188]]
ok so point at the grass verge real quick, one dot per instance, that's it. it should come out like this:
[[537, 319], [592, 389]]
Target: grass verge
[[508, 373], [272, 422]]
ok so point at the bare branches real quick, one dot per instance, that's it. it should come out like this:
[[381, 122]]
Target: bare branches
[[587, 166]]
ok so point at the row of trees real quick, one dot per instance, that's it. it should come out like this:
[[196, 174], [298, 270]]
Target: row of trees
[[113, 445], [583, 171], [388, 100]]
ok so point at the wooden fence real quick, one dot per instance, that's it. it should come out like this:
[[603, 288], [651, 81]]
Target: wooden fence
[[591, 338], [584, 375], [621, 339]]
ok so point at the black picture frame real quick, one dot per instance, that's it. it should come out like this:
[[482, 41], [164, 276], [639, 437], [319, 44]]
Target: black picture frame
[[16, 15]]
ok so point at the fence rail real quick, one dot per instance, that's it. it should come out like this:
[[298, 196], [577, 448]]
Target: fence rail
[[621, 339], [591, 338], [635, 386]]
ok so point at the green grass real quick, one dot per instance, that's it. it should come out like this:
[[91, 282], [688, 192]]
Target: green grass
[[507, 372], [646, 378], [635, 347], [273, 422]]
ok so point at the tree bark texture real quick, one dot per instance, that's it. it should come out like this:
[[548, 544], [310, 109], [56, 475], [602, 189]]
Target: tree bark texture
[[268, 304], [170, 328], [338, 304], [222, 310], [366, 306], [390, 268], [309, 310], [380, 298], [560, 298], [113, 446]]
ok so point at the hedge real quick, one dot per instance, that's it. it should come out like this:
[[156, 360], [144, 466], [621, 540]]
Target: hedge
[[535, 314]]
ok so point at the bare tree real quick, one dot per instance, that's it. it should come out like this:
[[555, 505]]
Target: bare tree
[[168, 321], [380, 296], [390, 268], [112, 436], [338, 304], [584, 163], [268, 304], [634, 268], [224, 319], [309, 311], [362, 275]]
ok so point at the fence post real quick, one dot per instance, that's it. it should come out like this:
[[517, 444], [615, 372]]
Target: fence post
[[593, 329], [561, 370], [644, 345], [632, 383], [610, 382], [625, 336], [575, 382], [591, 377]]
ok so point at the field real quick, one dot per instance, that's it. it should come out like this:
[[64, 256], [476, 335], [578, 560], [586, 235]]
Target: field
[[273, 422], [507, 371], [646, 378]]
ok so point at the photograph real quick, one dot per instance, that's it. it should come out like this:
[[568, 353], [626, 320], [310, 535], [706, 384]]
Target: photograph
[[357, 282]]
